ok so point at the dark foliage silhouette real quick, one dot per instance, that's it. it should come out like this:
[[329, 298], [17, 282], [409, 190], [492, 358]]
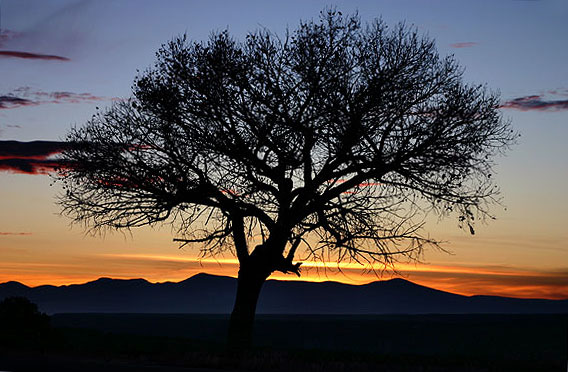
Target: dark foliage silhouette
[[21, 323], [331, 142]]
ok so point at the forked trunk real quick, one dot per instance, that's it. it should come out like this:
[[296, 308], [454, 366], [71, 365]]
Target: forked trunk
[[250, 281]]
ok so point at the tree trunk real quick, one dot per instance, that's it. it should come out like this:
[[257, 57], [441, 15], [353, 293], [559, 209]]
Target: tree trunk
[[251, 278]]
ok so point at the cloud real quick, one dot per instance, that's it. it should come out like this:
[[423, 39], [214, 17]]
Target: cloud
[[2, 233], [559, 92], [37, 157], [8, 102], [10, 126], [33, 150], [68, 97], [464, 44], [504, 281], [535, 103], [28, 55], [7, 35], [29, 166], [25, 96]]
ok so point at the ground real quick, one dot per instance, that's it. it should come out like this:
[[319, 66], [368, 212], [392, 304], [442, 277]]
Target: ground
[[153, 342]]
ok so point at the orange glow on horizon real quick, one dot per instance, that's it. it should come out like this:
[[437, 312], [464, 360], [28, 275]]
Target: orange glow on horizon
[[460, 279]]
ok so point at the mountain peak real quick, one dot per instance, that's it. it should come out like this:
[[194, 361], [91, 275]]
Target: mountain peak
[[110, 282], [207, 280], [14, 285], [206, 275]]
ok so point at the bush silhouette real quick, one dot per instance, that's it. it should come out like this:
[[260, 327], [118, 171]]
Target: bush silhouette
[[21, 323]]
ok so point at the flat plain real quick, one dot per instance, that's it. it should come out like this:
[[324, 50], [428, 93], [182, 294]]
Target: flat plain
[[172, 342]]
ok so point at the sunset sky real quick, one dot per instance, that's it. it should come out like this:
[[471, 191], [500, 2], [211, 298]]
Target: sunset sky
[[60, 59]]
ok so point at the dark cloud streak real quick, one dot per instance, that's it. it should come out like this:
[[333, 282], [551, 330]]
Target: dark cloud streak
[[25, 96], [30, 157], [34, 149], [29, 166], [27, 55], [7, 102], [535, 103]]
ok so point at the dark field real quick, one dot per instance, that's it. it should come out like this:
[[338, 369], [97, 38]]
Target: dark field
[[139, 342]]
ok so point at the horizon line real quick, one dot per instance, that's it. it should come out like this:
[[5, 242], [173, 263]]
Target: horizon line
[[282, 280]]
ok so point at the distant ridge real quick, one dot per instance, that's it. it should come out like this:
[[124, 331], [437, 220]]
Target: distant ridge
[[206, 293]]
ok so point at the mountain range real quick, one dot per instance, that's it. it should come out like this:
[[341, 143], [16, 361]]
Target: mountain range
[[205, 293]]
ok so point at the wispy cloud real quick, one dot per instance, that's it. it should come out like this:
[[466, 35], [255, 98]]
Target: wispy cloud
[[28, 55], [559, 92], [7, 35], [25, 96], [8, 102], [464, 44], [9, 233], [535, 103], [37, 157], [504, 281], [67, 97]]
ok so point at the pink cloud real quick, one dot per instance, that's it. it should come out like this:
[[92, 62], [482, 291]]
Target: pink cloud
[[464, 44], [68, 97]]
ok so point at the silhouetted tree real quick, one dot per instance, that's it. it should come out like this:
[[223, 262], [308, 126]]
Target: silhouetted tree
[[21, 323], [337, 138]]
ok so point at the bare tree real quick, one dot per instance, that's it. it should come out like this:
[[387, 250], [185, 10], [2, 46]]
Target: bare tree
[[337, 138]]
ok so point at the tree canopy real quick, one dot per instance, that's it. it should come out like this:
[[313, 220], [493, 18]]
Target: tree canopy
[[338, 137]]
